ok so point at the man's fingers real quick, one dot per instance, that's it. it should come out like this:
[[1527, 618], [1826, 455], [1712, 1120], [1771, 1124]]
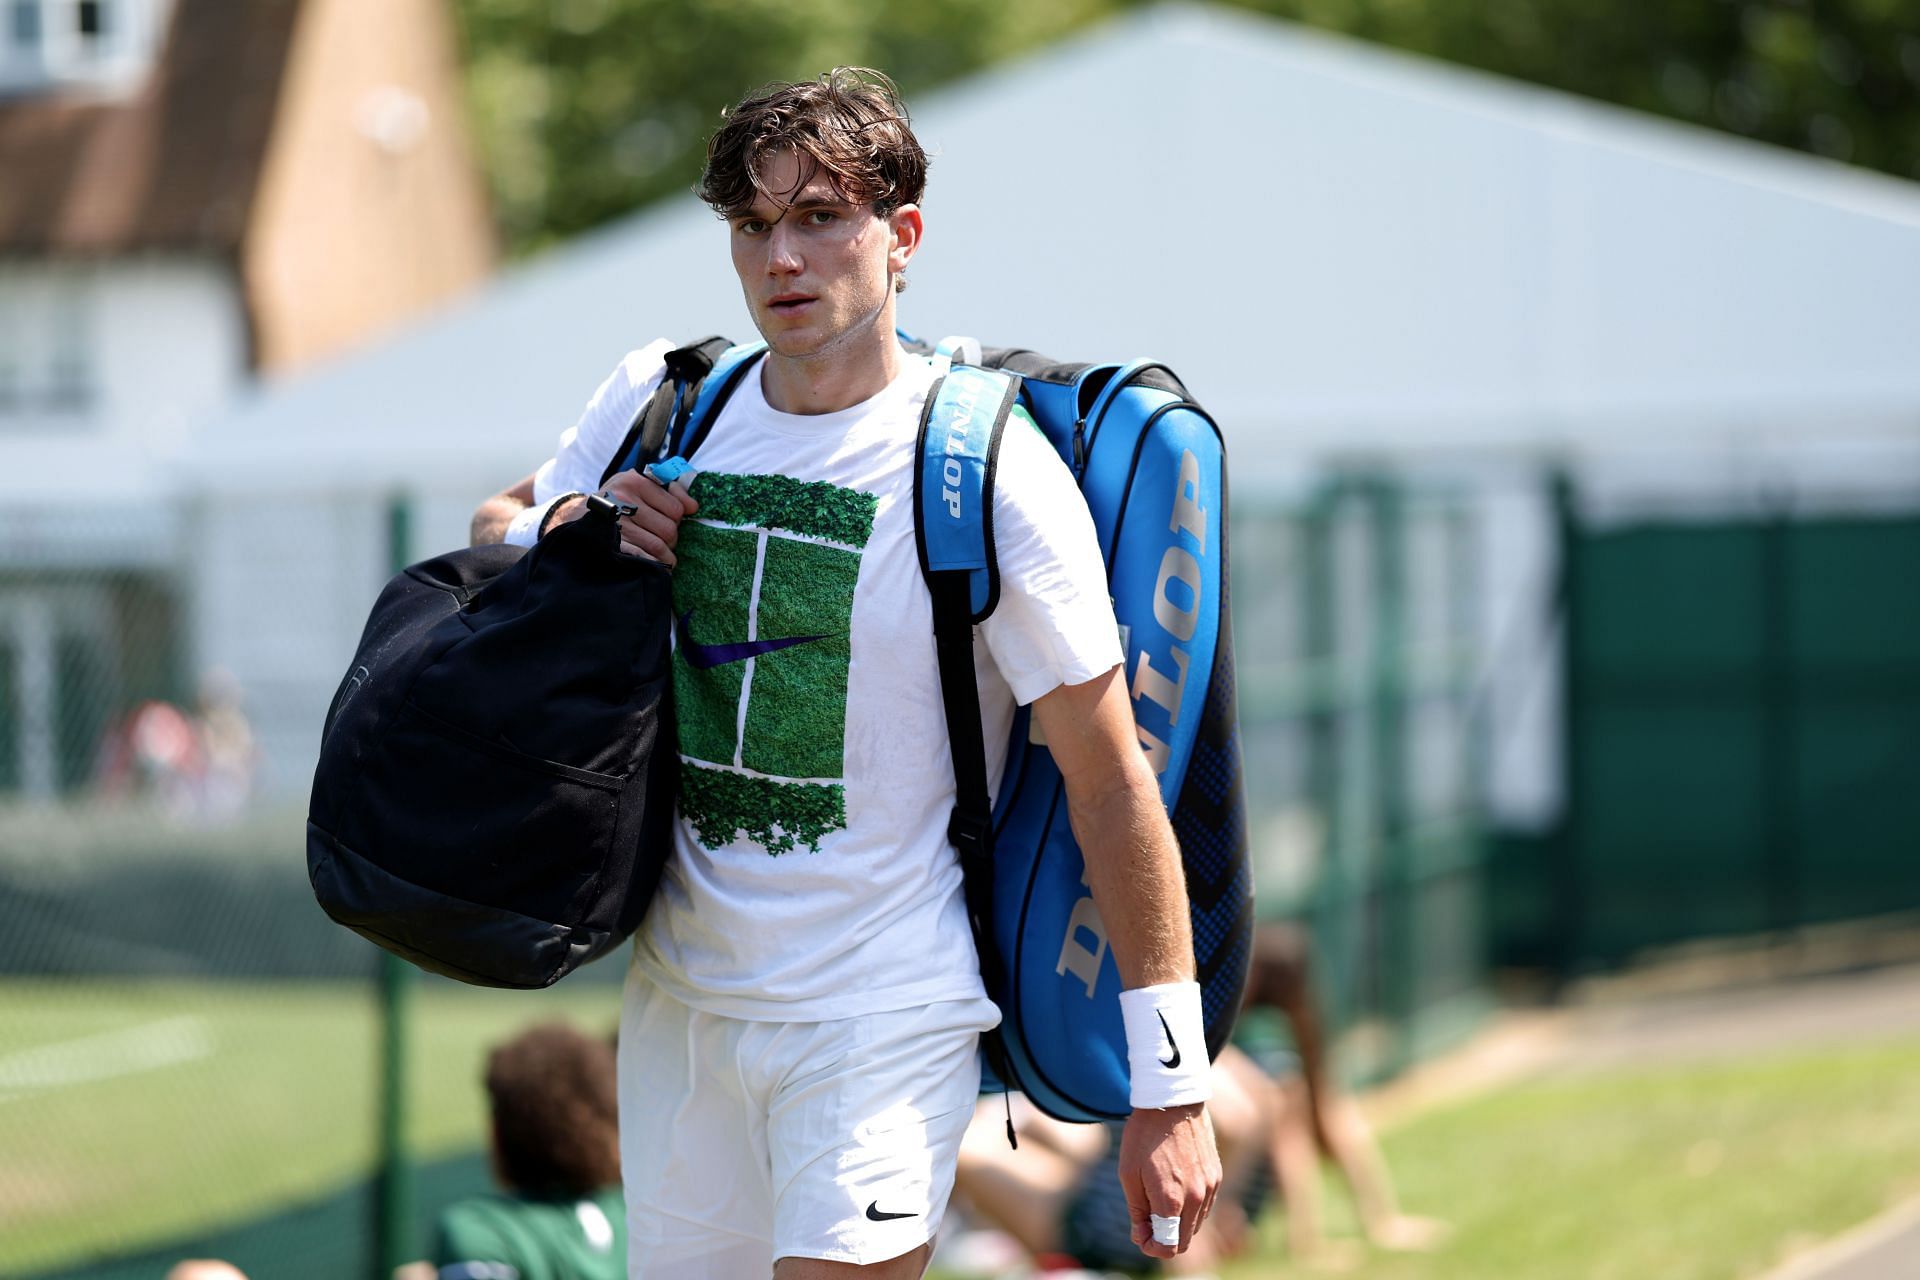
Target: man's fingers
[[653, 530], [1136, 1194], [1144, 1211], [1202, 1209], [645, 495], [642, 490], [649, 548], [653, 523]]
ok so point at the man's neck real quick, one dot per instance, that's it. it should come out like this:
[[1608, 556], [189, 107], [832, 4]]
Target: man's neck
[[831, 380]]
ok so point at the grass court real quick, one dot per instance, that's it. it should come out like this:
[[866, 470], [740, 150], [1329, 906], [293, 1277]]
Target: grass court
[[135, 1113]]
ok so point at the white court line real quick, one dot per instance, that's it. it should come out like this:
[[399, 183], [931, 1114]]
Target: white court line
[[104, 1056], [714, 766], [787, 535], [753, 633]]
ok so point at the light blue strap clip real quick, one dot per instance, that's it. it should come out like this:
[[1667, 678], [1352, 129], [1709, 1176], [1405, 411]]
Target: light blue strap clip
[[667, 470]]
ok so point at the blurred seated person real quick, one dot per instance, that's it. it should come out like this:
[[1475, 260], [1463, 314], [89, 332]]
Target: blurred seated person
[[556, 1155], [1312, 1117], [204, 1269], [1059, 1194]]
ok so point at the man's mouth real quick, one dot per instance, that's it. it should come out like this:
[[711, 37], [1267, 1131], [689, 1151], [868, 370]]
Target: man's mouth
[[788, 304]]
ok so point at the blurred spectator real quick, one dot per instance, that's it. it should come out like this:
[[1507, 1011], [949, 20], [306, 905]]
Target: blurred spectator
[[227, 747], [1308, 1115], [1059, 1194], [204, 1269], [154, 752], [556, 1156], [196, 766]]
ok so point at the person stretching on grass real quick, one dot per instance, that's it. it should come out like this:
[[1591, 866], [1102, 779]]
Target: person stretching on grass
[[1276, 1119]]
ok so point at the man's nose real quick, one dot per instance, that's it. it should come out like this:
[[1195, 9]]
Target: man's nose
[[783, 253]]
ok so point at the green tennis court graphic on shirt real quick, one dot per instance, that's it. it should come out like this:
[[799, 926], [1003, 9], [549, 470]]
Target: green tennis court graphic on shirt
[[763, 596]]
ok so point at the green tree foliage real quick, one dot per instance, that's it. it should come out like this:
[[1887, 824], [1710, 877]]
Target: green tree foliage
[[586, 109], [1840, 78]]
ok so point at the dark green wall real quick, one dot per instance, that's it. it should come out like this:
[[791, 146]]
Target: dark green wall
[[1742, 738]]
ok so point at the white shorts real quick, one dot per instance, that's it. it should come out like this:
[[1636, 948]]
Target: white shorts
[[742, 1142]]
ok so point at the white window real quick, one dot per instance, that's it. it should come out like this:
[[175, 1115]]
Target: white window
[[13, 341], [69, 355], [49, 375], [23, 27], [77, 33], [44, 43]]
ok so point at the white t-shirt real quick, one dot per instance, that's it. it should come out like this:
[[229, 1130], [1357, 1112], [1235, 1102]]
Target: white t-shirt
[[812, 876]]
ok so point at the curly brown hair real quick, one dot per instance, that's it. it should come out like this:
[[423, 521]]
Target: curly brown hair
[[555, 1121], [849, 123]]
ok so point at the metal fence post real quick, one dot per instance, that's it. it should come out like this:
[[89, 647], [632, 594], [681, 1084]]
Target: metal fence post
[[393, 1205], [1332, 910], [1388, 693], [1570, 905], [1780, 720]]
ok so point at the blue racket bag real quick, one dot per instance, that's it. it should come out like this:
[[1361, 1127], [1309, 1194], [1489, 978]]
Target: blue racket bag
[[1151, 465]]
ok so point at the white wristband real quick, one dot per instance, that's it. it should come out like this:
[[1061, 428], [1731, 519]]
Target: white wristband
[[1166, 1045], [524, 529]]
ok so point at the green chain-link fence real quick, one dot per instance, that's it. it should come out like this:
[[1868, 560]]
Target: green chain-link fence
[[194, 1061], [1355, 618]]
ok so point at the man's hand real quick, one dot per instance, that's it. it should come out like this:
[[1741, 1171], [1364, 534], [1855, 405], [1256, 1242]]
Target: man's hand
[[1168, 1166], [653, 529]]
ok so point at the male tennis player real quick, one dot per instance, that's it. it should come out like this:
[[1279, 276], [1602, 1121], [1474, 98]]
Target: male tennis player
[[798, 1046]]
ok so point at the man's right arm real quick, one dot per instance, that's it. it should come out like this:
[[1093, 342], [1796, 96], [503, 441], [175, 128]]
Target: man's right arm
[[491, 517], [583, 452], [651, 531]]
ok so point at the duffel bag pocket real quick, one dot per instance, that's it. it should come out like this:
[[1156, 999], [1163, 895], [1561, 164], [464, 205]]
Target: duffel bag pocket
[[459, 813]]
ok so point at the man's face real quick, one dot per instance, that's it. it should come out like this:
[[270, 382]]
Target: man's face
[[817, 270]]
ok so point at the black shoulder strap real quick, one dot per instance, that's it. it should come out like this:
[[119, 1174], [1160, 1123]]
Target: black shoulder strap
[[970, 826], [672, 400], [702, 405]]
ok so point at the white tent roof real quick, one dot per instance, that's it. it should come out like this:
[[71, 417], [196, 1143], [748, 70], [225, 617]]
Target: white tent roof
[[1340, 247]]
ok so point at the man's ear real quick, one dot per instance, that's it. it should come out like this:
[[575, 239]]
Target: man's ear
[[906, 228]]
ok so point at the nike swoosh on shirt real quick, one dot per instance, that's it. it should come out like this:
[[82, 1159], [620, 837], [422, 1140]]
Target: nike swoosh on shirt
[[873, 1212], [703, 657], [1174, 1061]]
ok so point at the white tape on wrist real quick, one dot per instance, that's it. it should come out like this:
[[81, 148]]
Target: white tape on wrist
[[1166, 1045], [1165, 1230]]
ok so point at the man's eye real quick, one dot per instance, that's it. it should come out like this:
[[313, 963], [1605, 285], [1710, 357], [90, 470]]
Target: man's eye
[[819, 217], [750, 226]]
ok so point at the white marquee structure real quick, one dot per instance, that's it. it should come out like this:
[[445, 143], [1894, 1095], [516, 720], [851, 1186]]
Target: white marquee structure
[[1346, 251]]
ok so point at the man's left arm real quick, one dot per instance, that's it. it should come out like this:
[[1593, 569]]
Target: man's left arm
[[1168, 1164]]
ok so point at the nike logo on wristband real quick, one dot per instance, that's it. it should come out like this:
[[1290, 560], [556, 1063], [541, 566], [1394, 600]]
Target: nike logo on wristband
[[873, 1212], [704, 657], [1174, 1061]]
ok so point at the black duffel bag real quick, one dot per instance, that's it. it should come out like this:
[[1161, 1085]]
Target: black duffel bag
[[489, 803]]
